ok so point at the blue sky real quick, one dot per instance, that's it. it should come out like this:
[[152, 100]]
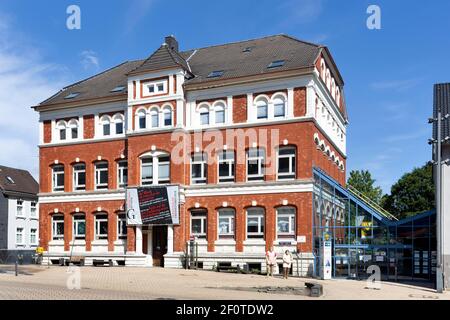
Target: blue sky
[[388, 73]]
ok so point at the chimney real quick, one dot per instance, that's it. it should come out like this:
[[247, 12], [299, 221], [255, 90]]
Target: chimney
[[172, 43]]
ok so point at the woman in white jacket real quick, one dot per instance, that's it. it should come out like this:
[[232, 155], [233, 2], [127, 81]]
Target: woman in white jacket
[[287, 263]]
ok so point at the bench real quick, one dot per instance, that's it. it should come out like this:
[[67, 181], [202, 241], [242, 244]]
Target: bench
[[98, 262], [315, 289]]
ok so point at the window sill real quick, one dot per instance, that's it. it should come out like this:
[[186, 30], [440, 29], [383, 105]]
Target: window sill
[[100, 242], [21, 217], [225, 242], [254, 242], [292, 241], [78, 242], [120, 242], [56, 242]]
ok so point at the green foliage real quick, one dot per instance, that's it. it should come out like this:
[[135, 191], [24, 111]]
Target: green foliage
[[413, 193], [362, 181]]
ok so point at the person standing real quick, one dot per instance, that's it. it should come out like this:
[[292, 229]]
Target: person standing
[[271, 260], [287, 263]]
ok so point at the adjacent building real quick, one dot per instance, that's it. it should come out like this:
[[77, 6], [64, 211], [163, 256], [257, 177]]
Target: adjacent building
[[238, 128], [19, 215]]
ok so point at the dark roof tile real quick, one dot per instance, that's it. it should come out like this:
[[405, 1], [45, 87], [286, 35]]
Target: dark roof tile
[[19, 181]]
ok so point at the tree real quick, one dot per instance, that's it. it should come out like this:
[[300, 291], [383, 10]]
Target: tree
[[362, 181], [413, 193]]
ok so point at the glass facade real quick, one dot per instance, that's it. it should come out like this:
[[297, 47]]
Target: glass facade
[[363, 236]]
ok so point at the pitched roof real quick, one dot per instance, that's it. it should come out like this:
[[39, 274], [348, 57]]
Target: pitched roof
[[442, 99], [237, 59], [163, 58], [17, 181]]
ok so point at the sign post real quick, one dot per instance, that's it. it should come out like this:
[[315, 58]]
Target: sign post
[[326, 256]]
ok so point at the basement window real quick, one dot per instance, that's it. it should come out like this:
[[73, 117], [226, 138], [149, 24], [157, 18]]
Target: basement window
[[216, 74], [72, 95], [276, 64]]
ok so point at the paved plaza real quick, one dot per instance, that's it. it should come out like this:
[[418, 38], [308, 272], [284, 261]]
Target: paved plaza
[[54, 283]]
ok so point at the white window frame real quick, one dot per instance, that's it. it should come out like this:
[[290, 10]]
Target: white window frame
[[33, 209], [118, 118], [220, 107], [55, 223], [202, 216], [231, 167], [154, 114], [22, 236], [77, 219], [140, 114], [76, 177], [260, 103], [98, 220], [155, 86], [19, 208], [230, 215], [61, 126], [121, 222], [277, 101], [292, 158], [101, 185], [121, 183], [33, 242], [204, 110], [73, 124], [156, 163], [55, 174], [147, 164], [292, 218], [106, 120], [167, 110], [260, 176], [259, 213], [159, 180], [203, 179]]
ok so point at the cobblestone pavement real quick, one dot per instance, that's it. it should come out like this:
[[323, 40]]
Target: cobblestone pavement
[[41, 282]]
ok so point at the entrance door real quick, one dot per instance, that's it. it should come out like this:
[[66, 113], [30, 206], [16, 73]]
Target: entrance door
[[159, 245]]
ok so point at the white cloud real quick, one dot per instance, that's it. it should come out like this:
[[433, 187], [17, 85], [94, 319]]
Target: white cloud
[[396, 85], [24, 82], [300, 11], [89, 59]]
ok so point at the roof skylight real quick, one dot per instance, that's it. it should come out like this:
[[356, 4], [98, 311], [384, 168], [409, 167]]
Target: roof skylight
[[72, 95], [10, 180], [276, 64], [216, 74], [118, 89]]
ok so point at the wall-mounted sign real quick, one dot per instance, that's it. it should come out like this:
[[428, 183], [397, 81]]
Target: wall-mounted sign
[[301, 239], [153, 205]]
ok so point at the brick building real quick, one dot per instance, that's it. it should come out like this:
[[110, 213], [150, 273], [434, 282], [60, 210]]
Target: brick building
[[238, 128]]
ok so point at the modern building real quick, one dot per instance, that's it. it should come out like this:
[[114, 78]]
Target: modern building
[[19, 215], [442, 104], [238, 129]]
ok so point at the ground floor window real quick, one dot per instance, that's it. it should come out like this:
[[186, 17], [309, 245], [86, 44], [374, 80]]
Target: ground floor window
[[79, 226], [33, 236], [19, 236], [101, 227], [255, 223], [198, 224], [286, 222], [58, 227], [122, 226], [226, 224]]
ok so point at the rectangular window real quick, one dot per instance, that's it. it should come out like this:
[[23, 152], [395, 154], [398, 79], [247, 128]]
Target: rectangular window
[[74, 133], [101, 175], [262, 112], [101, 227], [199, 168], [122, 226], [198, 224], [255, 223], [19, 207], [19, 236], [164, 169], [58, 227], [58, 178], [62, 134], [255, 164], [226, 166], [226, 224], [158, 87], [122, 174], [79, 177], [142, 122], [33, 211], [286, 163], [167, 118], [119, 127], [155, 120], [279, 110], [220, 116], [79, 226], [147, 171], [286, 222], [106, 129], [33, 237]]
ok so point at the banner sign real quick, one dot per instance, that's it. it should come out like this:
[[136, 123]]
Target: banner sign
[[155, 205], [326, 256]]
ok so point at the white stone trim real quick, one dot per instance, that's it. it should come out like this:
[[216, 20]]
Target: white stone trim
[[81, 197]]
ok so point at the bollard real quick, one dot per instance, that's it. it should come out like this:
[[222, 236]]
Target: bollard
[[16, 268]]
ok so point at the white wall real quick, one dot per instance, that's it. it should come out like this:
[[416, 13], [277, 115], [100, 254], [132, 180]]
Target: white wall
[[25, 222]]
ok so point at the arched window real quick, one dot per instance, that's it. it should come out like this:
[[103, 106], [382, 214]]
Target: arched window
[[262, 108], [322, 69], [219, 113], [167, 116], [73, 127], [154, 117], [333, 88], [328, 79], [279, 107], [204, 115], [79, 226], [61, 126], [141, 121], [286, 222], [338, 96], [118, 123], [155, 168], [105, 122], [58, 227], [255, 223]]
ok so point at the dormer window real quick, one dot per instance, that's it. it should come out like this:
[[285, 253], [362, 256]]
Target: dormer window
[[155, 88]]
